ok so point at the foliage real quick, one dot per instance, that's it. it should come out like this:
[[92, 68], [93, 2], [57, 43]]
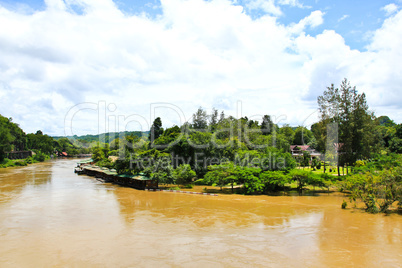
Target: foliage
[[38, 141], [267, 126], [183, 174], [221, 175], [156, 129], [12, 137], [251, 181], [378, 191], [302, 178], [349, 109], [273, 180]]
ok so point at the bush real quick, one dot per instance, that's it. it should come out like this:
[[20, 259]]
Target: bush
[[377, 190], [183, 174], [200, 182], [20, 163], [39, 156]]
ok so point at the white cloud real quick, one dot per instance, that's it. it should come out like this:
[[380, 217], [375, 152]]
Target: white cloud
[[344, 17], [390, 9], [266, 5], [313, 20], [197, 53], [272, 7], [293, 3]]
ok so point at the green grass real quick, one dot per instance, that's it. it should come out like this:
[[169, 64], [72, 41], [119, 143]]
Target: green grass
[[17, 162], [320, 171]]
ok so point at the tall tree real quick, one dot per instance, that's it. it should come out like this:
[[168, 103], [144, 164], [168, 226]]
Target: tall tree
[[213, 121], [156, 129], [267, 126], [200, 119], [302, 136], [222, 117], [349, 109]]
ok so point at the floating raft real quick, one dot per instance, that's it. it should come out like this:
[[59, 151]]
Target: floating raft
[[178, 191], [103, 174]]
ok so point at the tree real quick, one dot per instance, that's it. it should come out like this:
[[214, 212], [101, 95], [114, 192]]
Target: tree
[[306, 159], [156, 130], [267, 126], [98, 154], [221, 175], [302, 178], [251, 180], [303, 136], [378, 190], [183, 174], [213, 119], [350, 111], [288, 133], [200, 119], [40, 142], [5, 141], [12, 137], [395, 144], [221, 117], [273, 180]]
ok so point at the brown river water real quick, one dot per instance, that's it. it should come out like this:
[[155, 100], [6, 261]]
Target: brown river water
[[51, 217]]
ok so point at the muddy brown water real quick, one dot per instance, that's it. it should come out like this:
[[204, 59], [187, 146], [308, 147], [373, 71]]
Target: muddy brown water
[[51, 217]]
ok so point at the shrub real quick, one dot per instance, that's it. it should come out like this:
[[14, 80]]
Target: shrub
[[200, 182]]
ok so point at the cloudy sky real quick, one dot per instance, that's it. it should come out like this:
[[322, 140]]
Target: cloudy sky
[[83, 66]]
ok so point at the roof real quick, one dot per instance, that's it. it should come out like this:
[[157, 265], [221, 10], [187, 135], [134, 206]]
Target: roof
[[302, 147], [86, 161], [136, 177]]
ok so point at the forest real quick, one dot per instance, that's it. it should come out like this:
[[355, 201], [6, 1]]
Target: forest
[[13, 138]]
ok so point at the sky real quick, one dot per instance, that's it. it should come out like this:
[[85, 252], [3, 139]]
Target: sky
[[78, 67]]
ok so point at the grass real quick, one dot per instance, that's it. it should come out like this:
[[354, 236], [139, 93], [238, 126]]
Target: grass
[[334, 170], [17, 162]]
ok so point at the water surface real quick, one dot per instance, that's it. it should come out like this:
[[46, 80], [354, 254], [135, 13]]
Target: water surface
[[51, 217]]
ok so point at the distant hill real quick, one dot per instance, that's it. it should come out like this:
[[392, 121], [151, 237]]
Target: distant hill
[[106, 137]]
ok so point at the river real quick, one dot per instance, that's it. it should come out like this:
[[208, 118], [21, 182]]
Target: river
[[51, 217]]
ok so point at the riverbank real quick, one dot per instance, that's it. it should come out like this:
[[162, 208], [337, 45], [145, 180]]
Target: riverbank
[[18, 162]]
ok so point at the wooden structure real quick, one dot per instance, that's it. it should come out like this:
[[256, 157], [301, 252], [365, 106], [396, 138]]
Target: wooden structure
[[297, 150], [139, 181], [19, 154]]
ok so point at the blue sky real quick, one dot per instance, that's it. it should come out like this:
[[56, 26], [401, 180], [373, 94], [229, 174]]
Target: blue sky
[[271, 56]]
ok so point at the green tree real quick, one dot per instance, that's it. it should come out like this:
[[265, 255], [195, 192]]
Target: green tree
[[98, 154], [213, 122], [183, 174], [302, 178], [5, 141], [156, 130], [250, 177], [395, 143], [350, 111], [40, 142], [12, 137], [288, 132], [267, 126], [200, 119], [273, 180], [303, 136], [221, 175]]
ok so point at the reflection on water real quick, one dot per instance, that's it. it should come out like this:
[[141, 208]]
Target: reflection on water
[[52, 217]]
